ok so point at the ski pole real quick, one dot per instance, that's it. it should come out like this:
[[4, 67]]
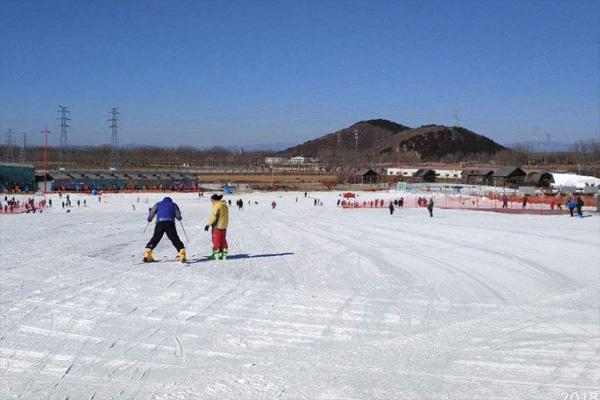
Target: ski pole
[[141, 238], [184, 232]]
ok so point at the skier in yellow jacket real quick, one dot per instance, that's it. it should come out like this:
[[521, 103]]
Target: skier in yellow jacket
[[218, 220]]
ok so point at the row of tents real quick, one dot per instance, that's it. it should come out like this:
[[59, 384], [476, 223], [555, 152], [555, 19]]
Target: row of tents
[[83, 181]]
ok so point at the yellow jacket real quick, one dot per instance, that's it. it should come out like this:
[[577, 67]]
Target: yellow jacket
[[219, 215]]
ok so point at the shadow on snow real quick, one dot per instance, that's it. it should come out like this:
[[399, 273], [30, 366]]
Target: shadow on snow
[[242, 256]]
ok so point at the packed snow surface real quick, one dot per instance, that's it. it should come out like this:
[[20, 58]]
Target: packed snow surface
[[315, 302]]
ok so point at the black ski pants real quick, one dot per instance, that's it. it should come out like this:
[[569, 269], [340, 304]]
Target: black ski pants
[[160, 229]]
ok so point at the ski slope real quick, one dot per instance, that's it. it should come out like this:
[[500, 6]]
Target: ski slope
[[314, 303]]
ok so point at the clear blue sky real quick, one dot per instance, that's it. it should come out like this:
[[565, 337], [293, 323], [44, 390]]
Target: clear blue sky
[[243, 72]]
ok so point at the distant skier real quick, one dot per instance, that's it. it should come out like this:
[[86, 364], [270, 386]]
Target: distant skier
[[273, 205], [571, 204], [401, 202], [218, 220], [391, 207], [525, 201], [579, 206], [166, 213], [504, 201], [557, 201], [78, 203], [430, 207], [84, 203]]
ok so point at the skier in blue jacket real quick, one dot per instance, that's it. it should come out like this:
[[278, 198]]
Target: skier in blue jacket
[[571, 204], [166, 213]]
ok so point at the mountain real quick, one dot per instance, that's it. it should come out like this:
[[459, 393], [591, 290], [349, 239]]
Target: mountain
[[369, 134], [380, 139]]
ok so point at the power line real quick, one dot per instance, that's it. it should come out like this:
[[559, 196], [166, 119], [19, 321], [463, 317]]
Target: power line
[[114, 138], [63, 125], [23, 153], [9, 154]]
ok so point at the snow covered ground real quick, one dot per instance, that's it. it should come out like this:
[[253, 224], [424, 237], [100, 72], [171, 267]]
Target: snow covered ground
[[315, 303]]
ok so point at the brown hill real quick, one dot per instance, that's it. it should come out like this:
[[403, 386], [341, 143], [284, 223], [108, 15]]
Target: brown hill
[[371, 134], [432, 142], [381, 139]]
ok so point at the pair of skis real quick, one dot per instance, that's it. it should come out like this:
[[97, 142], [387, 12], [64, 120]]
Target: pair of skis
[[193, 259]]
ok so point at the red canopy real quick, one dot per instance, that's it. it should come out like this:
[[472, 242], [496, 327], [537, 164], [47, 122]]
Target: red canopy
[[349, 195]]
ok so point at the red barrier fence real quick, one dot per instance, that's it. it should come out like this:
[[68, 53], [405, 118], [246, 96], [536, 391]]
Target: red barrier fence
[[493, 202]]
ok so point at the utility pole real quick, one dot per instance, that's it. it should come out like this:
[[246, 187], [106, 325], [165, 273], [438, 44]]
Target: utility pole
[[456, 118], [338, 149], [356, 146], [9, 154], [114, 138], [45, 131], [23, 153], [64, 124]]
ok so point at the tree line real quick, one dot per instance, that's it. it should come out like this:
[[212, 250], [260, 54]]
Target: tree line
[[583, 155]]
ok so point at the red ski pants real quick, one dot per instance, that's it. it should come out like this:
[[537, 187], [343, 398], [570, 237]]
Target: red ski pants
[[219, 240]]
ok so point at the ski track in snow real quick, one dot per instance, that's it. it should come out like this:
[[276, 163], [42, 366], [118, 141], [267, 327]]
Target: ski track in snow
[[314, 303]]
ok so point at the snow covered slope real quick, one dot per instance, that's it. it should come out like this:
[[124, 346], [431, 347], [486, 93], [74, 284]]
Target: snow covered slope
[[315, 303], [579, 181]]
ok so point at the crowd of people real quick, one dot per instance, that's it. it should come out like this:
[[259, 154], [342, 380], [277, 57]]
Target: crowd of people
[[573, 203], [12, 205]]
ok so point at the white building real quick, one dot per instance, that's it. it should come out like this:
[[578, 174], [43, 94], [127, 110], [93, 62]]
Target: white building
[[448, 173], [406, 172], [276, 160], [298, 160]]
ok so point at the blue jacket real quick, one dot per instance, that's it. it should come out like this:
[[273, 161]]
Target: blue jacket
[[165, 211], [571, 204]]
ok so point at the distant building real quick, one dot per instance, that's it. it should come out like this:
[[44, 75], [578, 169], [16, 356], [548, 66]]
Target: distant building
[[405, 172], [424, 175], [539, 179], [509, 176], [367, 175], [276, 160], [478, 176], [448, 174], [16, 176], [298, 160]]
